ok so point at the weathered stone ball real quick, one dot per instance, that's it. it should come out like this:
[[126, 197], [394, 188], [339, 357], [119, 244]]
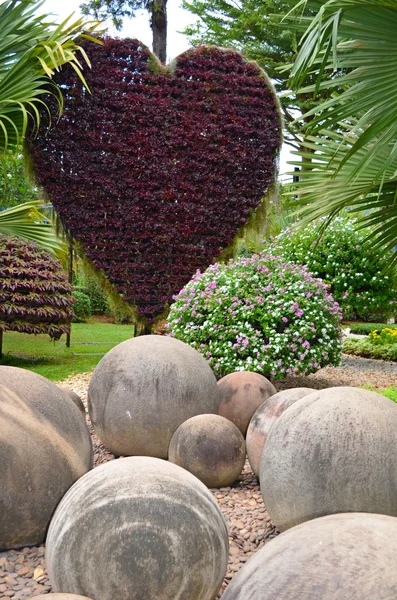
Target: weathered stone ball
[[74, 397], [263, 419], [143, 389], [241, 394], [211, 447], [333, 451], [346, 556], [138, 528], [45, 446], [60, 597]]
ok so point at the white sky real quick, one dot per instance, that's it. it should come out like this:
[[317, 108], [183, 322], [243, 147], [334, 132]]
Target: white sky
[[139, 28]]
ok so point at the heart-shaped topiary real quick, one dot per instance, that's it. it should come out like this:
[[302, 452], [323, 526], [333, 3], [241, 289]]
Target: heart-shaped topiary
[[155, 171]]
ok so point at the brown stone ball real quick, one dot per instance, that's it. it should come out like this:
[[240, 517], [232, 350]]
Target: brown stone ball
[[333, 451], [73, 396], [138, 528], [241, 394], [143, 389], [60, 597], [263, 419], [210, 447], [45, 446], [349, 556]]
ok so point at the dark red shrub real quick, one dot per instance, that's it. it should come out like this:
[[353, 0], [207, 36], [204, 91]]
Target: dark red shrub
[[156, 170], [35, 296]]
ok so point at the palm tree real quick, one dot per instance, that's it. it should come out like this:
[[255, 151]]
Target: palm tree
[[350, 47], [32, 48]]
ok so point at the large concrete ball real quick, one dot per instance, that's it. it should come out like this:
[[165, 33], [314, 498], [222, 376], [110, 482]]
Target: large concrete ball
[[74, 397], [138, 528], [241, 394], [211, 447], [333, 451], [339, 557], [60, 597], [263, 419], [143, 389], [45, 446]]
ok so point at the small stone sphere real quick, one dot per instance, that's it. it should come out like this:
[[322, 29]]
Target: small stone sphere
[[137, 528], [346, 556], [241, 394], [45, 446], [60, 597], [73, 396], [143, 389], [333, 451], [211, 447], [263, 419]]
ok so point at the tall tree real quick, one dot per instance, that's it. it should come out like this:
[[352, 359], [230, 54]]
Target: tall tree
[[117, 10], [351, 48]]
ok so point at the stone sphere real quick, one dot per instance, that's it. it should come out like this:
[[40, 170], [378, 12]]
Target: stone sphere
[[241, 394], [73, 396], [60, 597], [211, 447], [45, 446], [263, 419], [333, 451], [143, 389], [137, 528], [349, 556]]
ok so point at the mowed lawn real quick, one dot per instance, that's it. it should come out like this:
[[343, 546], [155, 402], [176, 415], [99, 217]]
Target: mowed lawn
[[53, 359]]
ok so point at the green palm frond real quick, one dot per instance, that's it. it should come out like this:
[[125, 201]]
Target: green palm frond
[[26, 221], [32, 48], [350, 157]]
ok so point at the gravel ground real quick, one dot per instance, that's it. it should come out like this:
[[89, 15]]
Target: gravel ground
[[23, 573]]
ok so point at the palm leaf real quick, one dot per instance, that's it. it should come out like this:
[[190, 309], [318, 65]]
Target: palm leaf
[[26, 221]]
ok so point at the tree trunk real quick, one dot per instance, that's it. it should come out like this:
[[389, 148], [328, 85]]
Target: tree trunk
[[159, 28]]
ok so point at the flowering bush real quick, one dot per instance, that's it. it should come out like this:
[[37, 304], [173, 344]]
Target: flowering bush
[[354, 270], [385, 336], [258, 314]]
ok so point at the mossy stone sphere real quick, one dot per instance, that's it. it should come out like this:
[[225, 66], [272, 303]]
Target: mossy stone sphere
[[241, 394], [263, 419], [143, 389], [349, 556], [333, 451], [211, 447], [60, 597], [137, 528], [45, 446]]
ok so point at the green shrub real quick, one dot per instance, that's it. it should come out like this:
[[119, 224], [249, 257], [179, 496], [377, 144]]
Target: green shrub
[[81, 307], [258, 314], [355, 271], [367, 349], [366, 328]]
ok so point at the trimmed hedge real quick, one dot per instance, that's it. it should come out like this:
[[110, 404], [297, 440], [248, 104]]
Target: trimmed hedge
[[366, 349], [366, 328], [35, 296]]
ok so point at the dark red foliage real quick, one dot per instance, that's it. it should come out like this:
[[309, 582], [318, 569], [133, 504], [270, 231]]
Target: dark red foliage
[[155, 172], [35, 296]]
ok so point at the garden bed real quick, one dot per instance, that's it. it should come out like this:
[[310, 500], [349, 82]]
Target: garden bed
[[23, 573]]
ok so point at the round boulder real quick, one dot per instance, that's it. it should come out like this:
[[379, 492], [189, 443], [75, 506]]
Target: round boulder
[[60, 597], [347, 556], [143, 389], [263, 419], [333, 451], [241, 394], [138, 528], [45, 446], [211, 447], [74, 397]]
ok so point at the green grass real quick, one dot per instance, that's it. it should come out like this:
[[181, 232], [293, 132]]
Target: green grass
[[56, 362], [389, 392]]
